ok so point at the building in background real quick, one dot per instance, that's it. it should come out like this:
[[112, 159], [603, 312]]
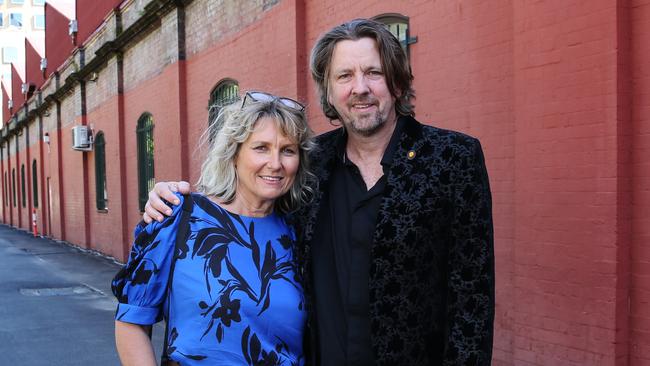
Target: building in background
[[19, 20], [557, 92]]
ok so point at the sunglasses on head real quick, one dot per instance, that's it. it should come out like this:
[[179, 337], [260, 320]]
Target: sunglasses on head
[[258, 96]]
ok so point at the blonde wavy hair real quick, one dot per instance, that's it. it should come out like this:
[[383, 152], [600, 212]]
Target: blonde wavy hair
[[232, 127]]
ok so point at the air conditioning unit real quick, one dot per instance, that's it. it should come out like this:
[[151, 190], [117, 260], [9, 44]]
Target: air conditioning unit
[[43, 63], [72, 27], [82, 138]]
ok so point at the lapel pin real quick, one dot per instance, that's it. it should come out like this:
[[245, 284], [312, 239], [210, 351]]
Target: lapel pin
[[411, 154]]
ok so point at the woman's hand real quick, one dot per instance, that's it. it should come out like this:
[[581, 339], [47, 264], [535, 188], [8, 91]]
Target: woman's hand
[[156, 207]]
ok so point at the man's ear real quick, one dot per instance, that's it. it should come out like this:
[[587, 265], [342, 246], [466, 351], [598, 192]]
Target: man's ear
[[398, 93]]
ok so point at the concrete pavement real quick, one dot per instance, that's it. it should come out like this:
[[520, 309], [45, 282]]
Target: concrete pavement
[[56, 305]]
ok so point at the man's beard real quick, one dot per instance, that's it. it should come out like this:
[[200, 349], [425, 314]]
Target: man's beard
[[356, 126], [366, 130]]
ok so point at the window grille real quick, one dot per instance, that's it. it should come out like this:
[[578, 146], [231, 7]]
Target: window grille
[[101, 195], [399, 26], [146, 178], [23, 195], [34, 184], [226, 92]]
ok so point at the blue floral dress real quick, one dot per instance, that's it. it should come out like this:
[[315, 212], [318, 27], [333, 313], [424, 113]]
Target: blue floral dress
[[235, 297]]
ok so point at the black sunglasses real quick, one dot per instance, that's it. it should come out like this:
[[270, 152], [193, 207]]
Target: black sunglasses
[[259, 96]]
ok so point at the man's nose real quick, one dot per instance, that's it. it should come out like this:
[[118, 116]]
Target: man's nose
[[360, 85]]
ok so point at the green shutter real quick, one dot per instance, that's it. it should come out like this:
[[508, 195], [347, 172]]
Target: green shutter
[[22, 185], [146, 178], [34, 184], [101, 194]]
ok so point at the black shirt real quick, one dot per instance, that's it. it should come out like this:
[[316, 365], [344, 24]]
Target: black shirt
[[341, 260]]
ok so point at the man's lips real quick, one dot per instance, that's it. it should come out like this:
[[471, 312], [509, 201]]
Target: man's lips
[[362, 104]]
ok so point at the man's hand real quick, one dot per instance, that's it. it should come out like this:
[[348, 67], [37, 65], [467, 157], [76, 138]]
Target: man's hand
[[155, 207]]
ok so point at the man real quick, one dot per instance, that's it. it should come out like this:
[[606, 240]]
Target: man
[[397, 244]]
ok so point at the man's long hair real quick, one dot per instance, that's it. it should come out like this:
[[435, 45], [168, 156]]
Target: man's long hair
[[394, 62]]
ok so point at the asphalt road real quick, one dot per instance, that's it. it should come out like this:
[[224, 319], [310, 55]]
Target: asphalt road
[[56, 305]]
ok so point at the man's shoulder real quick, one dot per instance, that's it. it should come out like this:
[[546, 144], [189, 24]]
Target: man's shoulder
[[326, 143], [329, 136], [442, 135], [440, 138]]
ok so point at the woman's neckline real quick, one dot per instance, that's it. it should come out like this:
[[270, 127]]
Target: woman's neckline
[[218, 204]]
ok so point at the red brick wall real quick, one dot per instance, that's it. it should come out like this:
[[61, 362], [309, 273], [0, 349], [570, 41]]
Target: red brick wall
[[640, 168], [270, 65], [54, 173], [566, 183], [4, 200], [102, 116], [556, 91], [151, 87], [50, 171], [72, 173]]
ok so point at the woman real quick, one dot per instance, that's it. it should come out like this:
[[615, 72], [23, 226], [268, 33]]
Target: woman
[[234, 297]]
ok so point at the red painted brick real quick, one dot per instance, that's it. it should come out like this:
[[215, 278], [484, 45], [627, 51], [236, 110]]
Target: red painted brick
[[559, 99]]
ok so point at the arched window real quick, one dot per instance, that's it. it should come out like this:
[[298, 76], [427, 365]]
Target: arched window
[[22, 185], [13, 185], [6, 190], [34, 184], [226, 92], [146, 178], [101, 196], [399, 26]]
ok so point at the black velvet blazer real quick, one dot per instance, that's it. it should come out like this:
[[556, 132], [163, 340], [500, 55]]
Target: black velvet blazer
[[432, 259]]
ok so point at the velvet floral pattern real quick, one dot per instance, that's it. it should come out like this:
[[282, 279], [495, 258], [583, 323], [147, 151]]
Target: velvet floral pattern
[[236, 297], [432, 258]]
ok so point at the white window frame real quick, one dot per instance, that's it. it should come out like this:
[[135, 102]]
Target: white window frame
[[11, 18], [4, 53], [34, 25]]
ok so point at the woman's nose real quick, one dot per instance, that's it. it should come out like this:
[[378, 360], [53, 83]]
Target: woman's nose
[[274, 161]]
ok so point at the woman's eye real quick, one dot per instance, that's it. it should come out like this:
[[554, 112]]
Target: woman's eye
[[259, 148], [290, 151]]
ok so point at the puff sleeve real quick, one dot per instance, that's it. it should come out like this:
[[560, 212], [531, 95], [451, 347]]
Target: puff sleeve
[[140, 286]]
